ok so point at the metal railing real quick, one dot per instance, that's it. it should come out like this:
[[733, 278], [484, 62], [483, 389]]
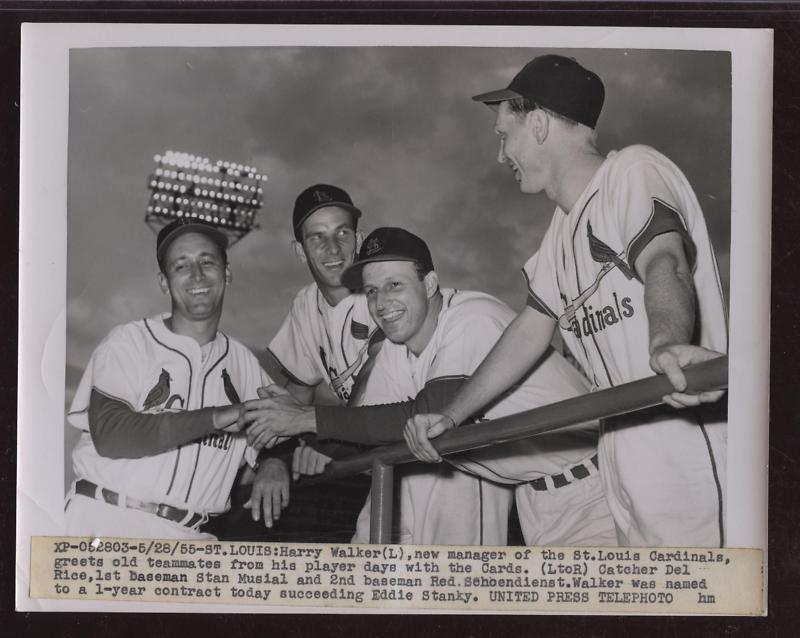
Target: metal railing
[[638, 395]]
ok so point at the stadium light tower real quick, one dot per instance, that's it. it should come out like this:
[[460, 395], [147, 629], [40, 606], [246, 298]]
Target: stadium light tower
[[223, 193]]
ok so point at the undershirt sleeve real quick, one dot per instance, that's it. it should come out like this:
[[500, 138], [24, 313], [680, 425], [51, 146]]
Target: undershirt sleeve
[[383, 424], [118, 432]]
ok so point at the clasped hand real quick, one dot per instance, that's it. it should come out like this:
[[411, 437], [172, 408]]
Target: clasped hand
[[272, 418]]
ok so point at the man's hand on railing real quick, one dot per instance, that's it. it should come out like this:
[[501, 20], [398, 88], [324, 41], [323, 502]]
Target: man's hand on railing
[[306, 461], [270, 492], [420, 429], [275, 416], [670, 361]]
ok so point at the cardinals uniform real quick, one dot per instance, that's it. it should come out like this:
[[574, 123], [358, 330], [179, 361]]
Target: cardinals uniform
[[322, 343], [663, 471], [153, 370], [558, 493]]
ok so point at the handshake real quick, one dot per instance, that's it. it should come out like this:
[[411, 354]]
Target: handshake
[[268, 420]]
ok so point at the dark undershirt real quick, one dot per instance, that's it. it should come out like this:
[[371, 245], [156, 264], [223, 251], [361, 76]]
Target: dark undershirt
[[118, 432], [383, 424]]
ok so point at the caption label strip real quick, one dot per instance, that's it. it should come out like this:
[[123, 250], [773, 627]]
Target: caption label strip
[[525, 579]]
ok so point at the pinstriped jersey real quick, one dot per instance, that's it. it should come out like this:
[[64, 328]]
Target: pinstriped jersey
[[319, 343], [153, 370], [468, 326], [583, 274]]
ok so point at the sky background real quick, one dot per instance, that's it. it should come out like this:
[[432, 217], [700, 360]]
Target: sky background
[[394, 126]]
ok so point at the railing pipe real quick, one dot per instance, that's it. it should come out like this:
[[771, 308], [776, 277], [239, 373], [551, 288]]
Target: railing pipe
[[380, 522], [638, 395]]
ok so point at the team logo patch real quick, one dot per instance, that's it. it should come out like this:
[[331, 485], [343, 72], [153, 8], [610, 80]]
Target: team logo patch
[[374, 245], [322, 196]]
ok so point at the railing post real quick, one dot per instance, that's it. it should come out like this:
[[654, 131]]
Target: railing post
[[380, 522]]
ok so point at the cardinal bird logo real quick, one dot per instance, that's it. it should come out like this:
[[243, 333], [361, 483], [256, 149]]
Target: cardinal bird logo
[[230, 391], [603, 254], [160, 392]]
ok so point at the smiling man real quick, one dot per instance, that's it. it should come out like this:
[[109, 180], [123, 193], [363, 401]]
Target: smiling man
[[324, 339], [158, 405], [323, 343], [627, 273]]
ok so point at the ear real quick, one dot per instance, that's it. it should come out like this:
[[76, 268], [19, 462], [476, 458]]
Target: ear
[[431, 283], [359, 241], [300, 253], [163, 283], [228, 275], [538, 124]]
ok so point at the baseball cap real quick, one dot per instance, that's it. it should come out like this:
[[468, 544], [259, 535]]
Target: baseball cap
[[184, 225], [556, 83], [320, 196], [387, 244]]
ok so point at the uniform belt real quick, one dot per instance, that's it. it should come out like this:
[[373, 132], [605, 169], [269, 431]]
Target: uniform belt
[[187, 518], [580, 471]]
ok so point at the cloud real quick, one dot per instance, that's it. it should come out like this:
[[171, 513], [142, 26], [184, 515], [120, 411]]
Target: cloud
[[395, 126]]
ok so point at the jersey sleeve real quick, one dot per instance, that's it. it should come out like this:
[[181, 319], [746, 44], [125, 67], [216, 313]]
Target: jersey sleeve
[[465, 341], [647, 204], [539, 272], [292, 348], [114, 371]]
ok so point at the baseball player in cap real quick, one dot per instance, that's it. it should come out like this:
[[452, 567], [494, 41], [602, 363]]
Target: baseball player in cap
[[626, 271], [159, 402], [435, 339], [327, 335]]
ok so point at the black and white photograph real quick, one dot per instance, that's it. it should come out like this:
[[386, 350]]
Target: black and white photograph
[[281, 257]]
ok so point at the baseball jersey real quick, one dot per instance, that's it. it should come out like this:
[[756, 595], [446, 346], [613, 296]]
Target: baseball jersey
[[663, 470], [468, 326], [583, 274], [320, 343], [151, 369]]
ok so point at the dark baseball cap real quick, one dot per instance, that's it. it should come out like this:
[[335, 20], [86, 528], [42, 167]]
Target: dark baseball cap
[[184, 225], [556, 83], [320, 196], [387, 244]]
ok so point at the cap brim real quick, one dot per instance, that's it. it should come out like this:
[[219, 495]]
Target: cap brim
[[355, 212], [493, 97], [217, 236], [352, 279]]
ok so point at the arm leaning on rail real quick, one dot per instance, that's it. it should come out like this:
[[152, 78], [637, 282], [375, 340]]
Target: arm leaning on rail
[[704, 377]]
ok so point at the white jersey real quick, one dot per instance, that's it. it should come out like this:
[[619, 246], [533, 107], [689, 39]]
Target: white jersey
[[151, 369], [468, 326], [583, 274], [320, 343], [665, 479]]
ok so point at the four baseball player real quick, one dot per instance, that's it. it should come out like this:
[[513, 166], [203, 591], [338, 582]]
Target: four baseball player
[[170, 406]]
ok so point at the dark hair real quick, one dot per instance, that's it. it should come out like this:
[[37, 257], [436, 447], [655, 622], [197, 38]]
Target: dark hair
[[522, 105]]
